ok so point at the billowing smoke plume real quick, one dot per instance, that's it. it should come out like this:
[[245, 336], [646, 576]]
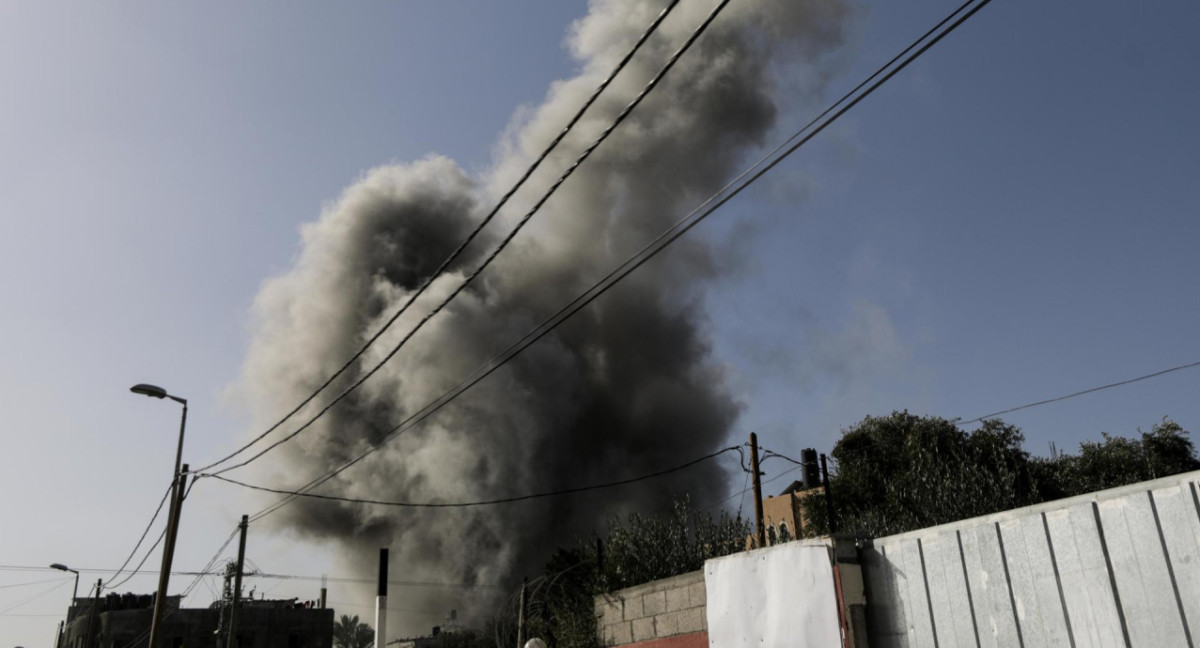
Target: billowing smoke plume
[[628, 386]]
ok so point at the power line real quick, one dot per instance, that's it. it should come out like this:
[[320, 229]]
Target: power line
[[82, 570], [35, 597], [138, 569], [346, 579], [1190, 365], [716, 201], [38, 582], [503, 500], [390, 609], [207, 572], [188, 590], [469, 239], [149, 551], [31, 615], [141, 540], [512, 234]]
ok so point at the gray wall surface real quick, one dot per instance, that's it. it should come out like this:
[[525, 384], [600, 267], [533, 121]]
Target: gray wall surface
[[1114, 568], [657, 610]]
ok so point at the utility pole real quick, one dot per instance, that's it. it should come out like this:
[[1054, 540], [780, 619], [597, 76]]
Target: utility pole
[[93, 631], [828, 496], [381, 601], [237, 585], [761, 535], [323, 590], [178, 488], [521, 614]]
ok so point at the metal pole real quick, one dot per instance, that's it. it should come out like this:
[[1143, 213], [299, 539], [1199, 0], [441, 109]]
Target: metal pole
[[237, 584], [177, 488], [58, 637], [761, 535], [828, 496], [521, 614], [74, 592], [381, 601]]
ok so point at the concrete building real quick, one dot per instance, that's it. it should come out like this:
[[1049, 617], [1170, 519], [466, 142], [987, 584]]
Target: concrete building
[[123, 620], [783, 514]]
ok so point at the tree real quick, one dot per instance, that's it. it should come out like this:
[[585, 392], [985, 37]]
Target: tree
[[1164, 450], [902, 472], [349, 633], [635, 550]]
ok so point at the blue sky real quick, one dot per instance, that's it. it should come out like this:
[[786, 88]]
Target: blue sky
[[1011, 219]]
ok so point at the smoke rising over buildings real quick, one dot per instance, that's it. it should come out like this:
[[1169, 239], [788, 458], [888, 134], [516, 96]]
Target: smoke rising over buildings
[[627, 386]]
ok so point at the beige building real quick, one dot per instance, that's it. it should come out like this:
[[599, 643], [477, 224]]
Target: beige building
[[783, 514]]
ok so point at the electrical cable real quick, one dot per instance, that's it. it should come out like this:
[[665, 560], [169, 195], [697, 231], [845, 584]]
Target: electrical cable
[[142, 539], [188, 590], [742, 503], [1190, 365], [767, 454], [745, 490], [35, 596], [150, 551], [48, 580], [470, 237], [137, 569], [347, 579], [503, 500], [746, 178], [504, 243], [332, 579]]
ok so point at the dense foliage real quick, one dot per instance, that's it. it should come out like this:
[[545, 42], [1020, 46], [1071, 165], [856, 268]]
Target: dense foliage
[[348, 632], [901, 472], [636, 550]]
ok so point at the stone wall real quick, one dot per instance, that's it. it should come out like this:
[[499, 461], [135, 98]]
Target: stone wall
[[665, 612]]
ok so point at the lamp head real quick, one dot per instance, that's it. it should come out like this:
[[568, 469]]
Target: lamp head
[[60, 567], [149, 390]]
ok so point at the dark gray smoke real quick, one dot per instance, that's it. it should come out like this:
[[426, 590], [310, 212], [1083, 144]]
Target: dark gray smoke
[[626, 387]]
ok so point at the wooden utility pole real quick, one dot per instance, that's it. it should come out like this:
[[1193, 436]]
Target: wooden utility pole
[[828, 496], [94, 632], [761, 535], [160, 599], [237, 585], [521, 614]]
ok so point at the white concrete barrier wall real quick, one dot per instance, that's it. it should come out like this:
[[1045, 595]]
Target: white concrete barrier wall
[[1114, 568], [778, 596]]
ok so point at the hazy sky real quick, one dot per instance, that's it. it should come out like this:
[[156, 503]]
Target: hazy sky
[[1011, 219]]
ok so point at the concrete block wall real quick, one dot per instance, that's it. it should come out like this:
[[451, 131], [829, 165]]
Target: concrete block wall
[[672, 607]]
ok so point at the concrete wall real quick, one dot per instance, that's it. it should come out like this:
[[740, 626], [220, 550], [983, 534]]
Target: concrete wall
[[1115, 568], [661, 614]]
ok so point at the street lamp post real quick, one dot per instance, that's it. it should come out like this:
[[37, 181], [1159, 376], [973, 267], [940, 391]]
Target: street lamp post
[[62, 567], [74, 594], [172, 514]]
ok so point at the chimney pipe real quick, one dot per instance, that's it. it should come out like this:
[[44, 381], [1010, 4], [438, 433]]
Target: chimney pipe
[[381, 601], [812, 471]]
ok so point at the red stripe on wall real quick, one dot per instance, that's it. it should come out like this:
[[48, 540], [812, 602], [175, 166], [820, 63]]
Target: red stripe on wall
[[694, 640]]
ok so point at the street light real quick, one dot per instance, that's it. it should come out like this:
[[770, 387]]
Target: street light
[[62, 567], [173, 513]]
